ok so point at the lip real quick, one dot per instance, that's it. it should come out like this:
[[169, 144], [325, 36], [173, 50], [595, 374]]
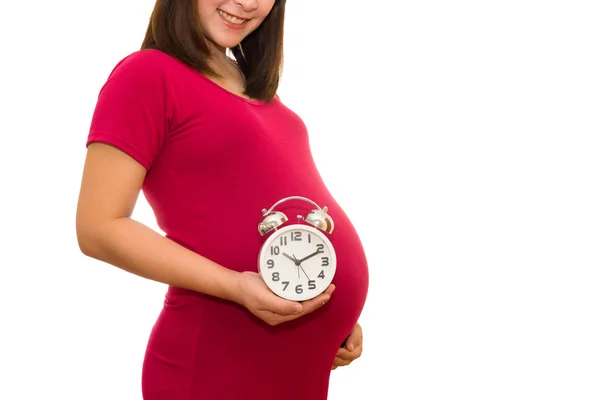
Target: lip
[[233, 15], [231, 25]]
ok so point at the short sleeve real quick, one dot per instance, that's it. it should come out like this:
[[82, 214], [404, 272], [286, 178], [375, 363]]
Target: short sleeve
[[133, 110]]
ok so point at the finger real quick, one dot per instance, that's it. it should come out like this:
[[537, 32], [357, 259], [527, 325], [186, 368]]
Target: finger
[[280, 306], [350, 355], [347, 355], [340, 362], [355, 338], [289, 310], [320, 300], [334, 367], [330, 289]]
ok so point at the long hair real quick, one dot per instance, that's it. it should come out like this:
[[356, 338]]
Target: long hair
[[174, 28]]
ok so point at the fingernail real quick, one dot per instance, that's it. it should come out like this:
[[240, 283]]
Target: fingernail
[[298, 308], [350, 346]]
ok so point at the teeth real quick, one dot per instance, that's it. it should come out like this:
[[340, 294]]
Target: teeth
[[231, 18]]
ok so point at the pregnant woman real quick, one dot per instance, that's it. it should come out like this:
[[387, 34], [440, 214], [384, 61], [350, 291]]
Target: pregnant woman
[[210, 144]]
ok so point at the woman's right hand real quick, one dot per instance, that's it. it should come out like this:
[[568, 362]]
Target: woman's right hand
[[274, 310]]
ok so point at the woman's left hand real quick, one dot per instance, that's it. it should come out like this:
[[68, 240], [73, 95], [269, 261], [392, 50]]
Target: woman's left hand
[[352, 350]]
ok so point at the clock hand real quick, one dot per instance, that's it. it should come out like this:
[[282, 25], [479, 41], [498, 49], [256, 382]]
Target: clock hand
[[309, 256], [307, 277], [293, 259], [297, 264]]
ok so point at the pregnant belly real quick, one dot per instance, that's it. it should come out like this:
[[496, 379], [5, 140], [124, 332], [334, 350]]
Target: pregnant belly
[[329, 325]]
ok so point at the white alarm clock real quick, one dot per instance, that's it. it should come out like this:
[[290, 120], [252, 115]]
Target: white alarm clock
[[297, 262]]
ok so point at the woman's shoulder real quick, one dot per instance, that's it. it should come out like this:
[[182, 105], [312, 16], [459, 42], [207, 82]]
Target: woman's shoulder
[[146, 60]]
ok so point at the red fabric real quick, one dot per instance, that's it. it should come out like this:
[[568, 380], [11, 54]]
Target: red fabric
[[214, 161]]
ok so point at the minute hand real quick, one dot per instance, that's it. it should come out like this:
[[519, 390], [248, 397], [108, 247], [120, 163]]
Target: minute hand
[[309, 256]]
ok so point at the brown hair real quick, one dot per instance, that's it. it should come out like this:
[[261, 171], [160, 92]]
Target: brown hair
[[174, 28]]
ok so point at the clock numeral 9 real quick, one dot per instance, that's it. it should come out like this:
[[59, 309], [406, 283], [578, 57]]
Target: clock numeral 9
[[311, 285], [275, 276], [296, 236], [274, 250], [285, 283], [270, 263], [324, 261], [299, 289]]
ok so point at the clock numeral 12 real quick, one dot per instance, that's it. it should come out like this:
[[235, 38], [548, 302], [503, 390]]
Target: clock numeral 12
[[296, 236]]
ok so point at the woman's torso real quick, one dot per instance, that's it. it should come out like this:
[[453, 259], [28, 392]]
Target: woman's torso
[[224, 160]]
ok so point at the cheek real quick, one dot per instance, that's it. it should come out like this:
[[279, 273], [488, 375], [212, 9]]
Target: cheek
[[265, 9]]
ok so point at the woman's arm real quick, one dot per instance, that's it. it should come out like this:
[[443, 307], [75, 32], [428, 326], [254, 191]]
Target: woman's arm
[[109, 190], [110, 186]]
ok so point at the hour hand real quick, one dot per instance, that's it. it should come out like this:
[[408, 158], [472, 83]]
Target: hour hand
[[291, 258]]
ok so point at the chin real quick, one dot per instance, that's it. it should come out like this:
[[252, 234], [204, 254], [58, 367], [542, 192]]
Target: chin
[[223, 40]]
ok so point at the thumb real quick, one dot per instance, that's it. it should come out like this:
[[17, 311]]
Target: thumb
[[286, 307], [353, 340]]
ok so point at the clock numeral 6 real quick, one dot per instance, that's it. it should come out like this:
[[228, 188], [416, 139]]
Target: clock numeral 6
[[270, 263], [311, 285], [324, 261], [299, 289], [275, 276]]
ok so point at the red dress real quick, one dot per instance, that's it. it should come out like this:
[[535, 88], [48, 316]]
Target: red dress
[[214, 161]]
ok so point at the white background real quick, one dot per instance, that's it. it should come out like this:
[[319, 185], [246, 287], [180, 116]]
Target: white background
[[461, 137]]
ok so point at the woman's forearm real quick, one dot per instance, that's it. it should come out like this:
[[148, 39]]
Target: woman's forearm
[[136, 248]]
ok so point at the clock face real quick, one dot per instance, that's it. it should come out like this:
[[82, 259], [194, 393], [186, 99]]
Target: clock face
[[297, 262]]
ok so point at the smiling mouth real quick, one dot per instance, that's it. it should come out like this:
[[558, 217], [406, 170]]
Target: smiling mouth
[[231, 18]]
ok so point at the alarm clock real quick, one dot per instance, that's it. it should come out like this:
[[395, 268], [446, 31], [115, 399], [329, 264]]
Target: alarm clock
[[297, 261]]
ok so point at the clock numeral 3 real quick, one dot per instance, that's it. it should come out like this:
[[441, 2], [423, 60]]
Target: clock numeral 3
[[324, 261], [275, 276]]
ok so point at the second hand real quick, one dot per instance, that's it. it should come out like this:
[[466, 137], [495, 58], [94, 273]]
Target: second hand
[[297, 264], [307, 277], [300, 268]]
